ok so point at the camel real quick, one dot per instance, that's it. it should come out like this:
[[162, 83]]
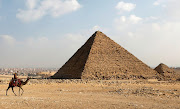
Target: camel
[[17, 83]]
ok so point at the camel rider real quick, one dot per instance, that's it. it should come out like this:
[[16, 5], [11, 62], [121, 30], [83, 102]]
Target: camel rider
[[15, 77]]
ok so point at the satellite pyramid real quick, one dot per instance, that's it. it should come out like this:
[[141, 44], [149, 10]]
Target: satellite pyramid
[[166, 72], [102, 58]]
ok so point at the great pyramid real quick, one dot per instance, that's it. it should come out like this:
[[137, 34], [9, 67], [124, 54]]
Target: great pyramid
[[166, 72], [102, 58]]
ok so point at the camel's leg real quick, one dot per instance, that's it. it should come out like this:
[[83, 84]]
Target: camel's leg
[[19, 91], [22, 90], [13, 91], [7, 90]]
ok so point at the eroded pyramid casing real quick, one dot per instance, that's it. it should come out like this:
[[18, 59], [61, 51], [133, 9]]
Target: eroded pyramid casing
[[102, 58]]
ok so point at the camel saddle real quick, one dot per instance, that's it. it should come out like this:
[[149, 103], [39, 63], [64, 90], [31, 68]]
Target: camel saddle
[[15, 82]]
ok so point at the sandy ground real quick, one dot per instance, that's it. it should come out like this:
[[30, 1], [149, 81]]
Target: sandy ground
[[77, 94]]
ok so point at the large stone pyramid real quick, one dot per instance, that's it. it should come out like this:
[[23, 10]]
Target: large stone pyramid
[[102, 58], [166, 72]]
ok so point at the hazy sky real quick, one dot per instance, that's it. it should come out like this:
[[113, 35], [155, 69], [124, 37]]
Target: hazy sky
[[46, 33]]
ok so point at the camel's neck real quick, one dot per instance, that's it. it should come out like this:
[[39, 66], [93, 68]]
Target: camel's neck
[[24, 83]]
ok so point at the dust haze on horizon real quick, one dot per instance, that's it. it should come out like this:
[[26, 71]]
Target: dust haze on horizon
[[46, 33]]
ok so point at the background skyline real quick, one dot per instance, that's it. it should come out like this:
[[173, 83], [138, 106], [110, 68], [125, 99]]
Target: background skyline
[[46, 33]]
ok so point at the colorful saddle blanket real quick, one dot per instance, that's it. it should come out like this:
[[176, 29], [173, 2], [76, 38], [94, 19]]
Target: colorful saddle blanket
[[15, 82]]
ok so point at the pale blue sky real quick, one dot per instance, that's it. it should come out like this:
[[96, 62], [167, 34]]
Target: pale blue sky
[[46, 33]]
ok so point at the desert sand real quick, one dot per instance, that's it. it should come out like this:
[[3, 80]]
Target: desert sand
[[94, 94]]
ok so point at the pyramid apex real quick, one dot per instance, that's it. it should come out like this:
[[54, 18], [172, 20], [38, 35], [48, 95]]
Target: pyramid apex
[[162, 64], [98, 32]]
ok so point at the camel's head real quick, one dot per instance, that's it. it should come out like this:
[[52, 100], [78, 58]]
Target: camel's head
[[28, 78]]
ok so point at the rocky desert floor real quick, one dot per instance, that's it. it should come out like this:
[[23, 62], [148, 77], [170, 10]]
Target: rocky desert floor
[[96, 94]]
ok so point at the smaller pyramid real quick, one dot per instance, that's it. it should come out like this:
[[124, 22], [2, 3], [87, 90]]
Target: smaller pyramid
[[166, 72]]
